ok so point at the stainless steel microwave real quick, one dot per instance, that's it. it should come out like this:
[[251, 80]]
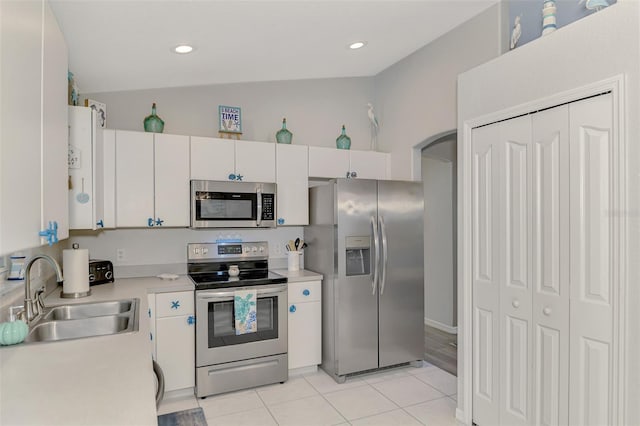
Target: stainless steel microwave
[[217, 204]]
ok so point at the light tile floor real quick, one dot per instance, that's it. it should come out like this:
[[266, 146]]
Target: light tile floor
[[401, 396]]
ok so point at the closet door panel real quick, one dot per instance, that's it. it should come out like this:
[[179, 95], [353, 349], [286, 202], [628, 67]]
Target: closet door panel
[[515, 292], [592, 153], [550, 135], [486, 274]]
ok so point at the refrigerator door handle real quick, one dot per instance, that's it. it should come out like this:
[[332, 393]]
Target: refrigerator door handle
[[383, 232], [376, 250]]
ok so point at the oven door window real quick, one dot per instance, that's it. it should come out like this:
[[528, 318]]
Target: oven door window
[[225, 206], [221, 317]]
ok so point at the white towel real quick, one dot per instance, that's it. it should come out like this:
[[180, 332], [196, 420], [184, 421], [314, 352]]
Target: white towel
[[245, 311]]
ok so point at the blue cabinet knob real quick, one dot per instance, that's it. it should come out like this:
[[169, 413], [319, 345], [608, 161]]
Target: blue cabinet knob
[[292, 308], [175, 304], [280, 221], [239, 177], [306, 292], [51, 233], [159, 222], [191, 320], [100, 223], [232, 176], [150, 221]]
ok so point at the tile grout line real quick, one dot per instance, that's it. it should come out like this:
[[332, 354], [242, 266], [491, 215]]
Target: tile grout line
[[267, 407], [327, 401]]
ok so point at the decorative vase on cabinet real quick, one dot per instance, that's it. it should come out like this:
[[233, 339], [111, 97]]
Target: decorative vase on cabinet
[[153, 123], [283, 135], [343, 141]]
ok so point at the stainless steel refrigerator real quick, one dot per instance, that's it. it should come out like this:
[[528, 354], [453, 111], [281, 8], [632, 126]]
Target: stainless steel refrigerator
[[366, 238]]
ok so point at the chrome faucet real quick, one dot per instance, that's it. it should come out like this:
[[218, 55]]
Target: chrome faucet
[[30, 305]]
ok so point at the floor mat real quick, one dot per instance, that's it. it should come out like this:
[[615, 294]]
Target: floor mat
[[192, 417]]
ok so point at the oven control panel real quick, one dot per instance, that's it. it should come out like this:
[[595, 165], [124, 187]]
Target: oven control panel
[[241, 250]]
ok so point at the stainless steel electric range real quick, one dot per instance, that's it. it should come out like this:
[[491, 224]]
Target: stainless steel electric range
[[226, 361]]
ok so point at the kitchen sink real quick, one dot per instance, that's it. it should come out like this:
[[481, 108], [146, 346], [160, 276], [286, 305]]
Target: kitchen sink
[[80, 320], [88, 310]]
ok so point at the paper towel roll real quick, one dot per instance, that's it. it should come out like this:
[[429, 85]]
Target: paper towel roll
[[75, 264]]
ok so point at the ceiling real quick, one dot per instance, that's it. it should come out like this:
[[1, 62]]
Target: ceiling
[[126, 45]]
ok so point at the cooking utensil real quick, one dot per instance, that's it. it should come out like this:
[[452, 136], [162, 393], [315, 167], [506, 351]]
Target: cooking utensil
[[297, 243]]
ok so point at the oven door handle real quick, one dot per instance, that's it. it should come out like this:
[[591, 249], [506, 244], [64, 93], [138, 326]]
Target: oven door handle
[[222, 295]]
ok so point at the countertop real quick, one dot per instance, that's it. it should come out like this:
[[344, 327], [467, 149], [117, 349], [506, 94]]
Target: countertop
[[106, 380], [298, 276]]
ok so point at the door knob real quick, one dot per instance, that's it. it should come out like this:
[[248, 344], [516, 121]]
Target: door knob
[[547, 311], [515, 303]]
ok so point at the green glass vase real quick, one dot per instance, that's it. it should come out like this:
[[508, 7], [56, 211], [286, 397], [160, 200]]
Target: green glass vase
[[283, 135], [343, 141], [153, 123]]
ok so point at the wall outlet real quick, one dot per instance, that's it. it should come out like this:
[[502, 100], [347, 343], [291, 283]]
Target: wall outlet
[[121, 255]]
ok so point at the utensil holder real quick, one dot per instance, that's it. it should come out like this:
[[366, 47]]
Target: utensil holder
[[293, 261]]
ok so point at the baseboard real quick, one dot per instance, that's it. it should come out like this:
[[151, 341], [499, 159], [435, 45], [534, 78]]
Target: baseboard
[[303, 370], [179, 393], [440, 326], [460, 416]]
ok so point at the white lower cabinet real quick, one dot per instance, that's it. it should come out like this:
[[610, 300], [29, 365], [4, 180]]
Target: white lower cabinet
[[173, 337], [305, 324]]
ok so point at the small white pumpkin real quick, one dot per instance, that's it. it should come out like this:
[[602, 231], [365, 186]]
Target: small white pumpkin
[[13, 332]]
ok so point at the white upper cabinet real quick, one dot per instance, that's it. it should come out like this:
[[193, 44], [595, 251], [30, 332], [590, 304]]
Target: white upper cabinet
[[228, 160], [55, 191], [212, 158], [292, 179], [369, 165], [171, 172], [152, 179], [255, 161], [328, 162], [85, 190], [33, 83], [107, 169], [340, 163]]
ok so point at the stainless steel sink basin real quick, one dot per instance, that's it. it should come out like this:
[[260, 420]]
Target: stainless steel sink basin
[[74, 329], [80, 320], [88, 310]]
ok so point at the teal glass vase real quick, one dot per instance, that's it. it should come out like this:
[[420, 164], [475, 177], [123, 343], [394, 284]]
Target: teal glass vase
[[153, 123], [343, 141], [283, 135]]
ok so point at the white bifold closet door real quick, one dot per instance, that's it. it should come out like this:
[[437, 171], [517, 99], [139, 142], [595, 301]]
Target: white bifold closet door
[[542, 319]]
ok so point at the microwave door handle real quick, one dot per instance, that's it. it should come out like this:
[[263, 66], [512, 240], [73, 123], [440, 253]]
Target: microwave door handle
[[259, 206]]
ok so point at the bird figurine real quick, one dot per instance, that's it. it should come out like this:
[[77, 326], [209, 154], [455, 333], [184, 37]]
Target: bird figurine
[[594, 4], [516, 33], [374, 126]]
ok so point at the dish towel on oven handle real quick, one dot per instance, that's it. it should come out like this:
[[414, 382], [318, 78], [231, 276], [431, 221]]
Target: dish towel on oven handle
[[244, 302]]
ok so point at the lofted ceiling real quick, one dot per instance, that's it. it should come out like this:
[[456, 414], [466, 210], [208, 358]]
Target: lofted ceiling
[[126, 45]]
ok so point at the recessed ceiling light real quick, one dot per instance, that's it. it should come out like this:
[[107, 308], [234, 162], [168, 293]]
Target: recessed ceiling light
[[357, 45], [183, 48]]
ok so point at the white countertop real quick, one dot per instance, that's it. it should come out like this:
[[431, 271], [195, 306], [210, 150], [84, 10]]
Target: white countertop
[[298, 276], [106, 380]]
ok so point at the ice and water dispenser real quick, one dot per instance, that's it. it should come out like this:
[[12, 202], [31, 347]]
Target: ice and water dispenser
[[358, 255]]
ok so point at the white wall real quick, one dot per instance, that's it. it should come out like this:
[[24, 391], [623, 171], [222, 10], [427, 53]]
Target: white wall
[[595, 48], [416, 97], [437, 177], [315, 109], [154, 251]]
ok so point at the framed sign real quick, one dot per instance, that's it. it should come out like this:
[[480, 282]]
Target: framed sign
[[100, 109], [230, 119]]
